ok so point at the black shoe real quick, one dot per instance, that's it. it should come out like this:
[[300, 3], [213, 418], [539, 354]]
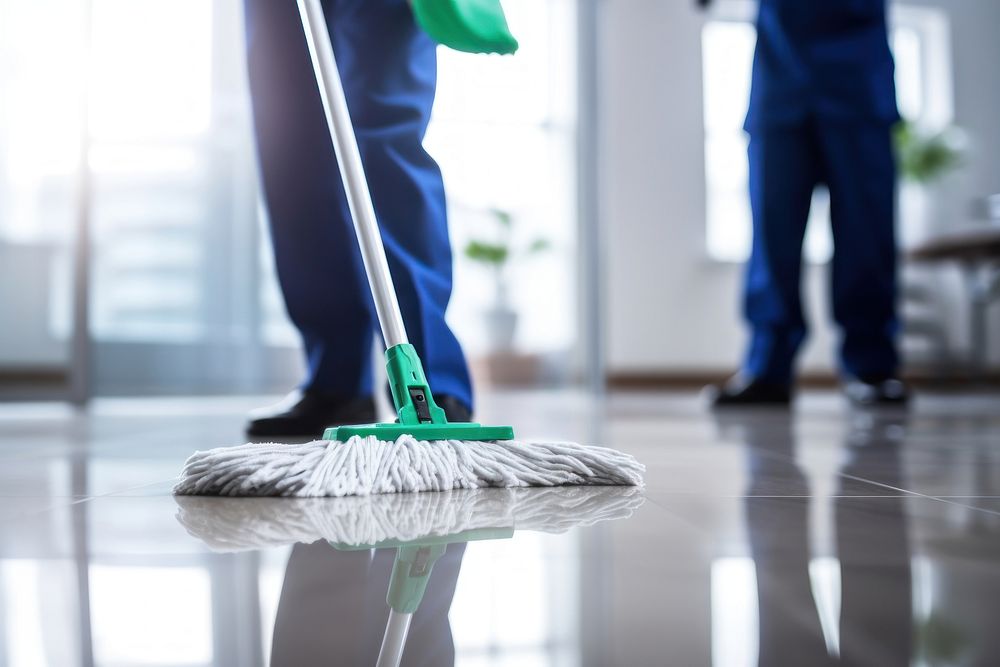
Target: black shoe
[[454, 409], [308, 413], [743, 391], [876, 392]]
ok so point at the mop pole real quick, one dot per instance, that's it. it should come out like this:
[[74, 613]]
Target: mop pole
[[352, 172], [394, 639]]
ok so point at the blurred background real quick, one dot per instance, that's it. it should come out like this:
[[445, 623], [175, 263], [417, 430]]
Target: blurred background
[[607, 157]]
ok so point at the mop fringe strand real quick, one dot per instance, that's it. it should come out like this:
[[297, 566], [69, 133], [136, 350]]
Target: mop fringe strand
[[366, 466]]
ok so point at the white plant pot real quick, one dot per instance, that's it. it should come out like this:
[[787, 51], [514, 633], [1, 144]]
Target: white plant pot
[[923, 211], [501, 325], [917, 214]]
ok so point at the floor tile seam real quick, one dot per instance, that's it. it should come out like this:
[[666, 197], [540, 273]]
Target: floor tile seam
[[946, 500], [104, 494], [941, 499], [119, 492], [691, 525], [954, 500], [77, 501], [888, 486]]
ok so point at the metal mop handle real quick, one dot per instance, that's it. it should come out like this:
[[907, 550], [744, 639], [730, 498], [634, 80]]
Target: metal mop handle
[[352, 172], [394, 639]]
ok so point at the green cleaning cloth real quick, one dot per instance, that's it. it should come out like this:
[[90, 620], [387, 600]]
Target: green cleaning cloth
[[473, 26]]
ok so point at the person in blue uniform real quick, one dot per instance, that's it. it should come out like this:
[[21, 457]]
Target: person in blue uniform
[[389, 71], [822, 106]]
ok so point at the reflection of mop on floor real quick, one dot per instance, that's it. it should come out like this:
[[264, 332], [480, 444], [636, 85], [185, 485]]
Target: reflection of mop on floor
[[231, 524], [419, 526], [410, 573]]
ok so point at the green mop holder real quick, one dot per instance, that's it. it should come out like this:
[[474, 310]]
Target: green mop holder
[[419, 416]]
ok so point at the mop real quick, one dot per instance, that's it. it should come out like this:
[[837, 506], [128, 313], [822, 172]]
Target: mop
[[421, 451]]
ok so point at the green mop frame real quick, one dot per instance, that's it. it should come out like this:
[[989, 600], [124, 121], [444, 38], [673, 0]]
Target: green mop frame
[[418, 415]]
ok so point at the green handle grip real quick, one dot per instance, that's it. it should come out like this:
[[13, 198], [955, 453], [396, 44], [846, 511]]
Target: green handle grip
[[410, 390]]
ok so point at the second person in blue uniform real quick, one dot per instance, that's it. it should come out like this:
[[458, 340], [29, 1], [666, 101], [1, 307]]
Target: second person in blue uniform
[[822, 106]]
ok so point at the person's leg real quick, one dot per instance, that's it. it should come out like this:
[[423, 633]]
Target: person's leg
[[318, 262], [862, 179], [389, 70], [783, 173]]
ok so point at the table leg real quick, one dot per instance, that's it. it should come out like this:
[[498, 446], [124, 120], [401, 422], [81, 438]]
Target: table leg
[[982, 284]]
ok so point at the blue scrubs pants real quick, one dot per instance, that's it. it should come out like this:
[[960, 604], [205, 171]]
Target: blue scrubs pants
[[855, 160], [389, 71]]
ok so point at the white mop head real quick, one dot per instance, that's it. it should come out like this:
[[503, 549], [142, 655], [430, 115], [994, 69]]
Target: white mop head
[[229, 524], [366, 466]]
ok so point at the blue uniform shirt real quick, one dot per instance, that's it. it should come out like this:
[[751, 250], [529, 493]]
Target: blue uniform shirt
[[827, 59]]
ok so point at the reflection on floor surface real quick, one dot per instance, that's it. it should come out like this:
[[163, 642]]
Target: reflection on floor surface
[[817, 537]]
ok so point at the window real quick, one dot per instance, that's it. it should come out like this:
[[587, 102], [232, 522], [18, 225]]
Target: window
[[918, 41], [503, 131], [150, 157], [183, 292], [39, 154]]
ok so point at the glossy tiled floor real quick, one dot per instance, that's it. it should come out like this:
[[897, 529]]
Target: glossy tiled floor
[[824, 537]]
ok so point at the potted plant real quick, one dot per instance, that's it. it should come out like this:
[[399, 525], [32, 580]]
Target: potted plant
[[499, 255], [924, 158]]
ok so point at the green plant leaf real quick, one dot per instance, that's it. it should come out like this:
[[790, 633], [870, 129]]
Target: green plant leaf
[[538, 245], [487, 253], [924, 157], [502, 216]]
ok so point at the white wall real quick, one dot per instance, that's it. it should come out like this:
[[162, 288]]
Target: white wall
[[668, 307]]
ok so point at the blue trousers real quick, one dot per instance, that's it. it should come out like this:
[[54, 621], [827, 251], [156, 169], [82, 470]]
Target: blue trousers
[[856, 162], [389, 71]]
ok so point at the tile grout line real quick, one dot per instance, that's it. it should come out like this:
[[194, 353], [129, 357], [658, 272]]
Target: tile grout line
[[942, 499], [77, 501]]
